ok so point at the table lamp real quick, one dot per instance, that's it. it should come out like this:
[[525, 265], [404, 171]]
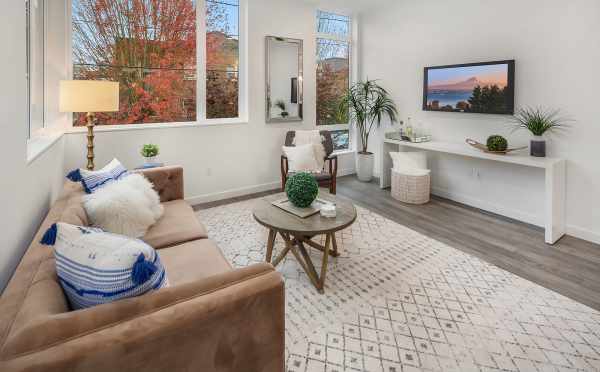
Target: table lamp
[[89, 96]]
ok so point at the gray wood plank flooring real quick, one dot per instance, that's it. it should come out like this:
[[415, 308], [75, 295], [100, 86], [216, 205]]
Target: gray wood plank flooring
[[570, 267]]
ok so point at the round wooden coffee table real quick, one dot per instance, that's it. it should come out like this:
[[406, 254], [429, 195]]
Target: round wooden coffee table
[[297, 233]]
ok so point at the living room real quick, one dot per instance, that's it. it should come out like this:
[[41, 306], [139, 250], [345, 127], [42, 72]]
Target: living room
[[394, 246]]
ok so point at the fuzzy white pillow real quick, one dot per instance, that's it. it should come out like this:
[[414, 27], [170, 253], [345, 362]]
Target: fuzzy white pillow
[[128, 206], [301, 158]]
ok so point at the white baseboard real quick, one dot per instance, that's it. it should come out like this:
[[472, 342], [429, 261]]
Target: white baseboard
[[242, 191], [490, 207], [584, 234], [227, 194]]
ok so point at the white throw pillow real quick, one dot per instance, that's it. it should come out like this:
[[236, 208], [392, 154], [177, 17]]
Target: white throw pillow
[[95, 267], [128, 206], [409, 160], [301, 158], [305, 137]]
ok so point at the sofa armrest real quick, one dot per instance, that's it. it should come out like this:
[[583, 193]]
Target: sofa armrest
[[167, 181], [230, 322]]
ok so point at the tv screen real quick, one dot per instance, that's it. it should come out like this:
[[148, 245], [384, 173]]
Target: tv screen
[[484, 88]]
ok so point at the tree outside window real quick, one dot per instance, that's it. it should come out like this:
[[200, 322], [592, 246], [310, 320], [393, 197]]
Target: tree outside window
[[149, 47]]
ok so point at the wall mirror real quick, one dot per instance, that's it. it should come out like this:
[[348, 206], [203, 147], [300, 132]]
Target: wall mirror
[[284, 96]]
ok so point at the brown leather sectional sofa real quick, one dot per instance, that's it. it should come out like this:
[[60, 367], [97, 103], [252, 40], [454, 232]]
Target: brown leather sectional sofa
[[211, 318]]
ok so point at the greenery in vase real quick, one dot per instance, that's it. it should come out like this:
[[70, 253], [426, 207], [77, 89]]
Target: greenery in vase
[[539, 120], [368, 104], [280, 104], [497, 143], [302, 189], [149, 151]]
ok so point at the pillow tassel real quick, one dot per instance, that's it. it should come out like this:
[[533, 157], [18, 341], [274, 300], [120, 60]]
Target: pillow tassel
[[142, 270], [49, 237], [74, 175]]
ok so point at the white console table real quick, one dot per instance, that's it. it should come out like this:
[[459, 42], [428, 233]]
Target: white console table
[[554, 168]]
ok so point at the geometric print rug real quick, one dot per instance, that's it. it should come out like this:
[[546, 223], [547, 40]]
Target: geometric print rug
[[396, 300]]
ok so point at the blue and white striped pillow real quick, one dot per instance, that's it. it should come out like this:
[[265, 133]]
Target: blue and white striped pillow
[[92, 180], [95, 267]]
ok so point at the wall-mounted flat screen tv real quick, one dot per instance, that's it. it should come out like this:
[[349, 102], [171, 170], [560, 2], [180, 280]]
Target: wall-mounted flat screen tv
[[484, 88]]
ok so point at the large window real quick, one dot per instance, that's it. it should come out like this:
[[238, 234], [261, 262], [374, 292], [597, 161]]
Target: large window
[[149, 47], [35, 10], [334, 43]]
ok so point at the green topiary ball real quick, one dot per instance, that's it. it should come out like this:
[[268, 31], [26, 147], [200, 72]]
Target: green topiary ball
[[302, 189], [497, 143]]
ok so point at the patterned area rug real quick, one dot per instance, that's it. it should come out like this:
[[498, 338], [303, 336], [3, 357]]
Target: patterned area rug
[[397, 300]]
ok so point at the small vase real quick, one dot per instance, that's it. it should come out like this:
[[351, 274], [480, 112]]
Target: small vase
[[537, 146]]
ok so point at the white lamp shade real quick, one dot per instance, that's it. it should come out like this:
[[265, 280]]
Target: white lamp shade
[[88, 96]]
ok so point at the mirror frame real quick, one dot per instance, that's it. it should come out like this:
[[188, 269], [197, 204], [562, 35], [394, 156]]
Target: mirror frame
[[268, 42]]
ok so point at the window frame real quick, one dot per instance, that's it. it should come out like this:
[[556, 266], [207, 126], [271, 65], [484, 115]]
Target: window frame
[[352, 40], [201, 120], [34, 133]]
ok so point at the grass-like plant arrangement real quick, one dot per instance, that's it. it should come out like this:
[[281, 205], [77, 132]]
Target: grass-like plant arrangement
[[538, 120]]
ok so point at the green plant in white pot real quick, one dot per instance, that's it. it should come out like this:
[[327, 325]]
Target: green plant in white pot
[[539, 122], [150, 152], [368, 104]]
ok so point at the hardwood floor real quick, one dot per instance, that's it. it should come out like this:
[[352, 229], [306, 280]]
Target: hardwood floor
[[571, 267]]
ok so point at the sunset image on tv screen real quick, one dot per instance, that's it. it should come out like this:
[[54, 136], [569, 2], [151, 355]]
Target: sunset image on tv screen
[[479, 89]]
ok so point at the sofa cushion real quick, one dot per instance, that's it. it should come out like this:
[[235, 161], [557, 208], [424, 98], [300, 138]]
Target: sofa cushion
[[178, 225], [73, 212], [194, 260]]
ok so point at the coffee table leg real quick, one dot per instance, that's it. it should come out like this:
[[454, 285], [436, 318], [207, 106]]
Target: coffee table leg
[[321, 286], [270, 244], [334, 246]]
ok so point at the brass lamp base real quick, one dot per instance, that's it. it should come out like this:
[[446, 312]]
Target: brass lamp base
[[91, 120]]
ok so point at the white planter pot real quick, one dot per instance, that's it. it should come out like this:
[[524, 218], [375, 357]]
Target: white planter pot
[[364, 166]]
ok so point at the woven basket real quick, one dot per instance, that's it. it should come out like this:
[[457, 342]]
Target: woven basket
[[411, 188]]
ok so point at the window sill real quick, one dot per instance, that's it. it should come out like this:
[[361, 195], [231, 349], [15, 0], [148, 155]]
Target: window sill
[[344, 152], [131, 127], [41, 143]]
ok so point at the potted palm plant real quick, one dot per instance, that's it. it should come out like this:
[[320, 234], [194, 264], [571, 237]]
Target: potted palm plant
[[538, 121], [368, 104]]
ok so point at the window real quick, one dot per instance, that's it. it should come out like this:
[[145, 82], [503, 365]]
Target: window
[[35, 64], [149, 47], [222, 59], [334, 43]]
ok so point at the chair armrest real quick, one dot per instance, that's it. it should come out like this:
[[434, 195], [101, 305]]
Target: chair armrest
[[229, 322], [167, 181]]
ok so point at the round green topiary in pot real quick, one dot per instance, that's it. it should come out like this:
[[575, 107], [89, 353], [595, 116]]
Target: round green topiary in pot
[[497, 143], [302, 189]]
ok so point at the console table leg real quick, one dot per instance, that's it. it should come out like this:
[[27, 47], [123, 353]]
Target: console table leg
[[555, 202]]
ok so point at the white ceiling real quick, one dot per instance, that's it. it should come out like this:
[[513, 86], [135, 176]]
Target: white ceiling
[[354, 6]]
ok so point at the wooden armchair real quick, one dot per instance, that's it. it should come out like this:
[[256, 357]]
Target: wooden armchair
[[327, 178]]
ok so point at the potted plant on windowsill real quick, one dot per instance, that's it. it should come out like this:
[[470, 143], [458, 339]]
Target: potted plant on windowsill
[[367, 103], [538, 121]]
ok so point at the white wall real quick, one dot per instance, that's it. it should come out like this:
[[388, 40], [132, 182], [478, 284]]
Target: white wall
[[227, 160], [556, 49], [26, 190]]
